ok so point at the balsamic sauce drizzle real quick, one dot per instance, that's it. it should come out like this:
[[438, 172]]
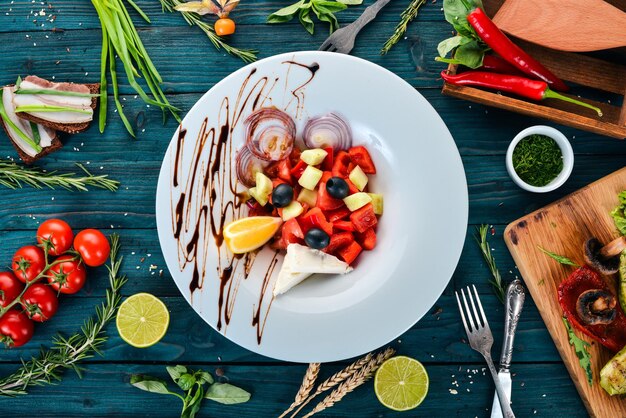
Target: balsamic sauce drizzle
[[204, 197]]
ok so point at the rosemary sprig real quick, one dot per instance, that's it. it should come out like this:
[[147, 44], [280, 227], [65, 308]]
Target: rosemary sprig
[[496, 282], [66, 353], [15, 176], [406, 17], [246, 55]]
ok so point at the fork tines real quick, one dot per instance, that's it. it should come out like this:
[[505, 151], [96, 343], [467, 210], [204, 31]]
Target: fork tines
[[476, 321]]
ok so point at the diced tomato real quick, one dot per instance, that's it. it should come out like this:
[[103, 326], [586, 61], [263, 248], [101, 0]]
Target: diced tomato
[[315, 218], [339, 240], [294, 157], [327, 164], [277, 181], [298, 169], [338, 214], [325, 201], [361, 157], [326, 175], [284, 170], [367, 239], [364, 218], [350, 252], [351, 187], [343, 226], [340, 165], [258, 210], [292, 232]]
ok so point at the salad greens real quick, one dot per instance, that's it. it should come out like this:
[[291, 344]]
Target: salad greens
[[580, 347], [197, 385], [324, 10], [619, 213], [470, 49]]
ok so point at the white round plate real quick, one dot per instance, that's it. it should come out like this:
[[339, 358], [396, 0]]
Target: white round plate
[[420, 235]]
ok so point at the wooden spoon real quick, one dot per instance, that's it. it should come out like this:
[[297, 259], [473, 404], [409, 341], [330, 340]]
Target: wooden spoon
[[566, 25]]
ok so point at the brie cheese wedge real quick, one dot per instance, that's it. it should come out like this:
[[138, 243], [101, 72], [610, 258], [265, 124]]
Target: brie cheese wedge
[[302, 262]]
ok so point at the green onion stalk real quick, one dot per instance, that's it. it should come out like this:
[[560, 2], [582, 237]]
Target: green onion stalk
[[120, 38]]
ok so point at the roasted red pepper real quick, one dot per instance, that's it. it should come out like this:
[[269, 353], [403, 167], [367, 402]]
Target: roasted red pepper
[[612, 335], [521, 86], [503, 46]]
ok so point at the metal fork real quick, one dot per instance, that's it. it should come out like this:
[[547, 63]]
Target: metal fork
[[342, 40], [481, 340]]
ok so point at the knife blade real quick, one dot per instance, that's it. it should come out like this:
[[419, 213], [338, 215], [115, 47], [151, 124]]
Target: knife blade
[[514, 303]]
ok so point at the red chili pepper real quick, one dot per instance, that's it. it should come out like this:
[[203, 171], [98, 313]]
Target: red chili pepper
[[521, 86], [498, 65], [503, 46]]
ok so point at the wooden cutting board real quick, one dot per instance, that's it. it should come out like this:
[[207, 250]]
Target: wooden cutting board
[[563, 227]]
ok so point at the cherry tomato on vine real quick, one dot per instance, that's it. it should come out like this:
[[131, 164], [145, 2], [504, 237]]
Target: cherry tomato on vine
[[69, 275], [93, 247], [40, 302], [28, 262], [58, 232], [224, 26], [10, 288], [15, 328]]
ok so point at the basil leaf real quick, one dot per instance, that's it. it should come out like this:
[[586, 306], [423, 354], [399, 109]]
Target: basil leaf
[[226, 393], [470, 54], [186, 381], [204, 377], [351, 2], [329, 7], [456, 13], [194, 405], [325, 16], [149, 384], [278, 19], [449, 44], [288, 11], [176, 371], [561, 259], [305, 19]]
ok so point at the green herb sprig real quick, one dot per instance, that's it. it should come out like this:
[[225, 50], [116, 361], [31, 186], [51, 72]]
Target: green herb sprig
[[197, 386], [537, 160], [485, 249], [580, 347], [15, 176], [324, 10], [407, 16], [194, 19], [67, 353], [619, 213], [561, 259]]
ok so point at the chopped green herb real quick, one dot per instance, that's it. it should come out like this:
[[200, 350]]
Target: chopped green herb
[[619, 213], [561, 259], [580, 347], [537, 160]]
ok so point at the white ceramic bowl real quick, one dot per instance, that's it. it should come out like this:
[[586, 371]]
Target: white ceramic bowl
[[566, 150]]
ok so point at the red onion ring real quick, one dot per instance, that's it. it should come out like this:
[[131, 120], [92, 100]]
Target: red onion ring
[[270, 133], [328, 130], [247, 165]]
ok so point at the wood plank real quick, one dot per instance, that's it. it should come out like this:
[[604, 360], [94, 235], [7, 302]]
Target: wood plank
[[541, 390], [577, 217]]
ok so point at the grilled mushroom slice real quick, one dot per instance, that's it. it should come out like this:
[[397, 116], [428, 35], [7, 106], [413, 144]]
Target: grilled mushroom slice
[[596, 306], [604, 258]]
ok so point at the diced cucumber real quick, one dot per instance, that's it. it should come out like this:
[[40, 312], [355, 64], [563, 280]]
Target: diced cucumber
[[357, 201], [310, 177], [377, 203], [308, 196], [292, 210], [358, 178], [313, 156], [263, 184], [261, 198]]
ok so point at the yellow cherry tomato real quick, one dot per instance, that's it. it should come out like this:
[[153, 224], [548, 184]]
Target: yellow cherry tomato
[[224, 26]]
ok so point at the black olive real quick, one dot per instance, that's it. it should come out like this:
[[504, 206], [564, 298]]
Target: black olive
[[337, 187], [282, 195], [317, 239]]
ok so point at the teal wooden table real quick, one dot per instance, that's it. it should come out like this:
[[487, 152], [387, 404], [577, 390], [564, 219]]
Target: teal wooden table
[[69, 49]]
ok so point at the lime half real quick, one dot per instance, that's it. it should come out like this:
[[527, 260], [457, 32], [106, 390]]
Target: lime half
[[401, 383], [142, 320]]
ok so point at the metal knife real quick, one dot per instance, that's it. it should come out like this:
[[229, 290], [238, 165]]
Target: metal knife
[[514, 302]]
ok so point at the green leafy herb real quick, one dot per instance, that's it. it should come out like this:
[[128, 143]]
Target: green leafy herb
[[580, 347], [15, 176], [66, 353], [619, 213], [407, 16], [51, 108], [561, 259], [324, 10], [537, 160], [194, 19], [197, 385], [496, 281]]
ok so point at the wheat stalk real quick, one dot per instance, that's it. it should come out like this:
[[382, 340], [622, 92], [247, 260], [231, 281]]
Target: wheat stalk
[[307, 386], [354, 381]]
